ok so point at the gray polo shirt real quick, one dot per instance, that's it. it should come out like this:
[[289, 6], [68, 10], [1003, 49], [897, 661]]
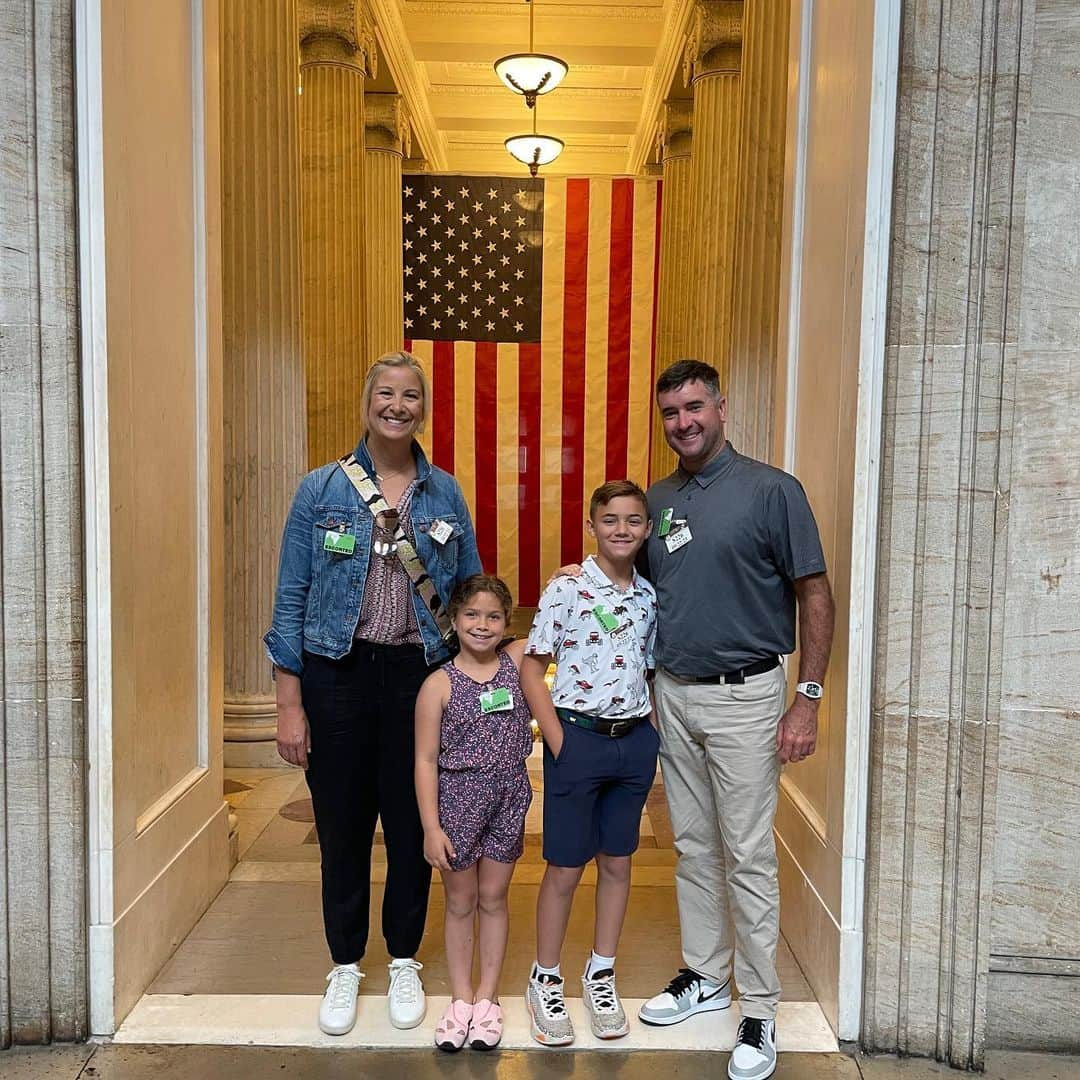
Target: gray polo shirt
[[727, 599]]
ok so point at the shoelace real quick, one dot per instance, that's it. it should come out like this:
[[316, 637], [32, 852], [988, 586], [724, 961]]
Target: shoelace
[[405, 983], [344, 983], [752, 1033], [551, 996], [603, 993], [684, 981]]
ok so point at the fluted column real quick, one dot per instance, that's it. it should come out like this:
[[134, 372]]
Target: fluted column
[[337, 51], [759, 220], [674, 338], [264, 405], [712, 65], [386, 143]]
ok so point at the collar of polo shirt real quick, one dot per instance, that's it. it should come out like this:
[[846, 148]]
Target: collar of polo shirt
[[713, 470]]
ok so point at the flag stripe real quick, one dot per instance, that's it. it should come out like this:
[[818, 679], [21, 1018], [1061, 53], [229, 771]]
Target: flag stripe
[[575, 280], [486, 432], [621, 274], [528, 589], [442, 438], [422, 350], [654, 430], [551, 379], [465, 419], [639, 385], [506, 468]]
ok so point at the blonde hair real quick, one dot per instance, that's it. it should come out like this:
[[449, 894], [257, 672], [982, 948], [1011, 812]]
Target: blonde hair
[[401, 358]]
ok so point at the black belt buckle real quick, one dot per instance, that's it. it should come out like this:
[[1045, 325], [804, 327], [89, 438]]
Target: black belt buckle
[[734, 678]]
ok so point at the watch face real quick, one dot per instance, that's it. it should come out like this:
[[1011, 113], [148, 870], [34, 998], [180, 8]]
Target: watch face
[[811, 689]]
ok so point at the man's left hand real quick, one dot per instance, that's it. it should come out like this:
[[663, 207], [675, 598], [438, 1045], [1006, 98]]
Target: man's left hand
[[796, 735]]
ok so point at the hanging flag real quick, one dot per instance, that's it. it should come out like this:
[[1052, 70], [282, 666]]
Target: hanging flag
[[532, 305]]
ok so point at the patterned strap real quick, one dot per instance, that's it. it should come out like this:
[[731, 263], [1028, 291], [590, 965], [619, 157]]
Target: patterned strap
[[374, 501]]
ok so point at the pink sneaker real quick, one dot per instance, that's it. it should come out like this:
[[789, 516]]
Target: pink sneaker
[[453, 1028], [485, 1030]]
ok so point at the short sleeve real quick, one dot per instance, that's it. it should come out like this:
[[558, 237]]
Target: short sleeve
[[793, 532], [546, 635]]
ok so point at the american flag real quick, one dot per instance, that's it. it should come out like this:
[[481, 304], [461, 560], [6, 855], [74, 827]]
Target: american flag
[[542, 375]]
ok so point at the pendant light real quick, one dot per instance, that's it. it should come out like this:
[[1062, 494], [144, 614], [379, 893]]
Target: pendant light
[[531, 73], [534, 150]]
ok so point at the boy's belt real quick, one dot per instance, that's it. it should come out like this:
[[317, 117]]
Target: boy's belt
[[615, 729], [738, 676]]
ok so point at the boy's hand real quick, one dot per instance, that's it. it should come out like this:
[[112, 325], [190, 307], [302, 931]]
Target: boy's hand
[[570, 570], [438, 850], [556, 746]]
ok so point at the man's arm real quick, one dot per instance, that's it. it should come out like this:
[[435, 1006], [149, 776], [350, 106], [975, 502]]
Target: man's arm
[[796, 735]]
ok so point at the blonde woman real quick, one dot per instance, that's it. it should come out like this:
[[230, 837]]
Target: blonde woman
[[358, 625]]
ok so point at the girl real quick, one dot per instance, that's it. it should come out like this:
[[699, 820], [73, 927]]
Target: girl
[[472, 739]]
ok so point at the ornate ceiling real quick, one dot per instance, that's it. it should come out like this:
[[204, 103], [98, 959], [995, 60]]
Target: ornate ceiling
[[624, 57]]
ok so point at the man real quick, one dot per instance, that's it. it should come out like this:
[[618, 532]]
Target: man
[[734, 548]]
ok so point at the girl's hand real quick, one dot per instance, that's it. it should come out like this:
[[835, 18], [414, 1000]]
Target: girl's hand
[[293, 735], [438, 850]]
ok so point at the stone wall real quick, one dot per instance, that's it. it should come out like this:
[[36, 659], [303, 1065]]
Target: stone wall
[[42, 746], [972, 862]]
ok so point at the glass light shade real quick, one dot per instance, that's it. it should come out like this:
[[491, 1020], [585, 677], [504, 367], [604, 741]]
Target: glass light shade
[[531, 74], [534, 150]]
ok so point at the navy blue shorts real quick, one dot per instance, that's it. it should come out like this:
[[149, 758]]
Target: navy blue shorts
[[595, 791]]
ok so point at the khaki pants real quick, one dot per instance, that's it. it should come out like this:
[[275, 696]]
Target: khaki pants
[[721, 770]]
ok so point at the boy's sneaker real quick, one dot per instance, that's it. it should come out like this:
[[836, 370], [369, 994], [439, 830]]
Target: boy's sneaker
[[406, 994], [606, 1014], [549, 1019], [337, 1013], [686, 995], [754, 1056]]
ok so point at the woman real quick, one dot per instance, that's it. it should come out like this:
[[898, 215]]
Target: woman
[[373, 548]]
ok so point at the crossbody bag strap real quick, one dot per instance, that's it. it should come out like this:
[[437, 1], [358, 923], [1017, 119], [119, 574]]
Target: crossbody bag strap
[[373, 499]]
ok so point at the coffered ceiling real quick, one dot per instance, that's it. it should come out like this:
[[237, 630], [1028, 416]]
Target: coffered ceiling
[[624, 56]]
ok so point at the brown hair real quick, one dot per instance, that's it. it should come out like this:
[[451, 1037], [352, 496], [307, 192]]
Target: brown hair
[[615, 489], [684, 371], [479, 583], [401, 358]]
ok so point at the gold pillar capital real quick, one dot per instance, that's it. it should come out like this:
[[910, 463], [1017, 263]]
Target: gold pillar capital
[[714, 44], [386, 124], [337, 32], [415, 165], [674, 132]]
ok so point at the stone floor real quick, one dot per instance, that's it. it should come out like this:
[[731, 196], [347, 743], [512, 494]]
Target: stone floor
[[88, 1062]]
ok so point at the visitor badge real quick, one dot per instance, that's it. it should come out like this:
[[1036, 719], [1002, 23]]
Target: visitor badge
[[339, 543], [440, 531], [665, 521], [500, 700], [607, 621], [679, 537]]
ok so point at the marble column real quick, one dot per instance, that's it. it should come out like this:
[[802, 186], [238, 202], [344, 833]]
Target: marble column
[[712, 64], [386, 143], [43, 690], [674, 337], [337, 52], [265, 415], [758, 226]]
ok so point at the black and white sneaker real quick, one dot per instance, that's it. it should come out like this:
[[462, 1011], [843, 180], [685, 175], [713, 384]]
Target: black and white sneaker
[[686, 995], [754, 1056]]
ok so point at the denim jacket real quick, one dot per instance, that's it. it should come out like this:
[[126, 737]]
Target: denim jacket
[[319, 592]]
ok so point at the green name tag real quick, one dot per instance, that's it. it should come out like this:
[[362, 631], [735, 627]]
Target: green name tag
[[665, 521], [339, 543], [496, 700], [607, 621]]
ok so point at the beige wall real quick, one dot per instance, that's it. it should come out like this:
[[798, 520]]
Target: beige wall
[[164, 828]]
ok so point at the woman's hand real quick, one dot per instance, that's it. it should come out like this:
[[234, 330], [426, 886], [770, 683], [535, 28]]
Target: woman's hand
[[293, 735], [437, 849]]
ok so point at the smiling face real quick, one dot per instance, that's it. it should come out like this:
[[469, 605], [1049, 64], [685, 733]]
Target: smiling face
[[480, 623], [693, 422], [396, 405], [620, 527]]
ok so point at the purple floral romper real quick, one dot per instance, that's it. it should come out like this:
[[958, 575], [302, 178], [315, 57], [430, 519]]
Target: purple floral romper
[[484, 790]]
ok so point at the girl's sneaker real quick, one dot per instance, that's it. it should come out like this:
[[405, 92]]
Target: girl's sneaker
[[485, 1029], [453, 1028]]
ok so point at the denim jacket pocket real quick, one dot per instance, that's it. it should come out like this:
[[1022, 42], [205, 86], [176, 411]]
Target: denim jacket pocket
[[331, 571], [428, 547]]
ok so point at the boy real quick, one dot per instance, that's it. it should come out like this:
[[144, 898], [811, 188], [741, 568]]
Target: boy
[[600, 747]]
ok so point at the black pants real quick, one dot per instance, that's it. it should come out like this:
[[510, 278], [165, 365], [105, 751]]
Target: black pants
[[360, 710]]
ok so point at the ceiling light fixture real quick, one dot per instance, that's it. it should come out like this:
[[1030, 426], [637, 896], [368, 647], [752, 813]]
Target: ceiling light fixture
[[531, 73], [534, 150]]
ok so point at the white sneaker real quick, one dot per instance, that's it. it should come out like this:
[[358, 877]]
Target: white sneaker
[[337, 1013], [406, 994], [754, 1056]]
